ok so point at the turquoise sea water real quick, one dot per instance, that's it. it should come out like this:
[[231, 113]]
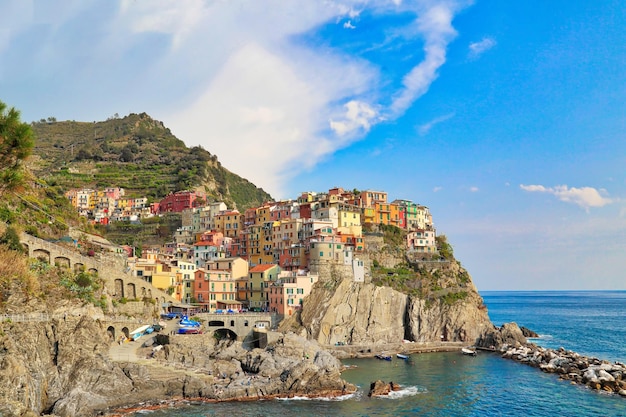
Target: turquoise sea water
[[450, 384]]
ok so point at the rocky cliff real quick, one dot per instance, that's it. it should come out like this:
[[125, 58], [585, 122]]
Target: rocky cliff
[[434, 302], [63, 367]]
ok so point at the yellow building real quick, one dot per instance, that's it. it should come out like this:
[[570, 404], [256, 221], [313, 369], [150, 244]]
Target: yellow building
[[230, 223], [260, 278]]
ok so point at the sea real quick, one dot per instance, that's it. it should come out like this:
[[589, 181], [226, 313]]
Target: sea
[[592, 323]]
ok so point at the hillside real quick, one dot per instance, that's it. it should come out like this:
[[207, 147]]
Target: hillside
[[138, 154]]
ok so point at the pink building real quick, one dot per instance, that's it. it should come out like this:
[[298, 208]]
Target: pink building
[[182, 200], [287, 294]]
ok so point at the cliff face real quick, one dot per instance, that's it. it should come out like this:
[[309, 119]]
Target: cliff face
[[443, 302], [58, 366]]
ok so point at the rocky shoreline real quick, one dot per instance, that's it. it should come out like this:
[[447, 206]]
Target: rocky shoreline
[[510, 341], [594, 373]]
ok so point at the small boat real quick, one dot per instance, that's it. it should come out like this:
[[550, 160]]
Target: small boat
[[189, 330], [185, 322], [137, 333], [468, 351], [402, 356], [383, 357]]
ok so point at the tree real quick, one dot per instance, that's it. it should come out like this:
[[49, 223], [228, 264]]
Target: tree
[[16, 144], [11, 238]]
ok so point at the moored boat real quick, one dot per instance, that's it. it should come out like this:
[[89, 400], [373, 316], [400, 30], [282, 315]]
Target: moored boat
[[402, 356], [468, 351], [383, 357]]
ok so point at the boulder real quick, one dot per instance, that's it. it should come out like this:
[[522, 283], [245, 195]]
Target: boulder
[[379, 388], [527, 332]]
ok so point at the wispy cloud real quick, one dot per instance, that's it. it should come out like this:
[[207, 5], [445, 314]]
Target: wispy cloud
[[425, 128], [476, 49], [349, 25], [585, 197], [434, 23], [437, 189], [474, 189]]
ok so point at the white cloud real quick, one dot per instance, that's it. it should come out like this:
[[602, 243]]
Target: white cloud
[[425, 128], [349, 25], [476, 49], [434, 23], [437, 189], [358, 117], [585, 197], [474, 189]]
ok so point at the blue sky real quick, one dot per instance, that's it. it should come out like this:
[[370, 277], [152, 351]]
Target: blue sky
[[506, 118]]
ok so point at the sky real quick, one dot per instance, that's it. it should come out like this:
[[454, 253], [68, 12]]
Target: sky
[[506, 118]]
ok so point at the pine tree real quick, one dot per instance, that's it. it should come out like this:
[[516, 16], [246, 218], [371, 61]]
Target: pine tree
[[16, 144]]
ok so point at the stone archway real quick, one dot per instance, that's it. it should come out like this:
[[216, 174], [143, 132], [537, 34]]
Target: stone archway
[[111, 333], [42, 254], [62, 261], [79, 267], [227, 334], [125, 331], [131, 292], [92, 271], [119, 288]]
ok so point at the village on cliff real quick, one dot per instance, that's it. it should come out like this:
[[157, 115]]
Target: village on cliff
[[264, 259]]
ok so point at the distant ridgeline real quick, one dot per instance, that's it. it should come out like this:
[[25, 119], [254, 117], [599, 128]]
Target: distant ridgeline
[[136, 153]]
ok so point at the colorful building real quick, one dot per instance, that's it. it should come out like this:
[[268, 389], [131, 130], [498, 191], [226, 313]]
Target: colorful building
[[286, 295], [260, 278]]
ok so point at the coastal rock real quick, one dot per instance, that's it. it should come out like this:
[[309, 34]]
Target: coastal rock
[[527, 332], [342, 312], [379, 388], [63, 367], [509, 334], [596, 374]]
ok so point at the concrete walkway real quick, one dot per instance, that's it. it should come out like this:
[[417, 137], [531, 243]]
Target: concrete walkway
[[127, 351]]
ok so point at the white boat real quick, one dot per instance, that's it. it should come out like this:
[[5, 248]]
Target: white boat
[[468, 351], [402, 356], [138, 332]]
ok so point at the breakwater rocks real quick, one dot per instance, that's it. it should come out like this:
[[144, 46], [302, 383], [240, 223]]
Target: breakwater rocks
[[595, 373]]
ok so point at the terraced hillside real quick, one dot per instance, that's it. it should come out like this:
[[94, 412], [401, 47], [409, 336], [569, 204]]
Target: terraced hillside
[[138, 154]]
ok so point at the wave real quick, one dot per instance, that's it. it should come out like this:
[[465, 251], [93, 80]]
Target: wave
[[405, 392], [338, 398]]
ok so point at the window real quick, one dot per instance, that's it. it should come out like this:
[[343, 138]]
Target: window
[[188, 284], [289, 290], [300, 291]]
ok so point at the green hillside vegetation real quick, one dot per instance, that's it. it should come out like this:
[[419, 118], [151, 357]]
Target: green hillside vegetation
[[136, 153], [430, 279]]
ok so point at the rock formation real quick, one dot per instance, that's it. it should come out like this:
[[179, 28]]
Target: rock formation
[[340, 310], [509, 334], [379, 388], [62, 367]]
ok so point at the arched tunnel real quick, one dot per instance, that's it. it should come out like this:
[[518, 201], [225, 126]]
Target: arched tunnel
[[227, 334]]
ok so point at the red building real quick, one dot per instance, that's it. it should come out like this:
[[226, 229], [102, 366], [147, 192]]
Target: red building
[[177, 202]]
